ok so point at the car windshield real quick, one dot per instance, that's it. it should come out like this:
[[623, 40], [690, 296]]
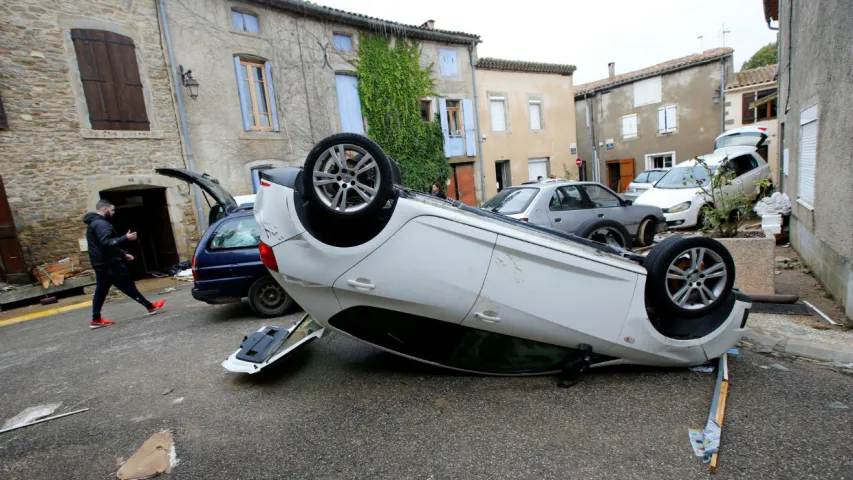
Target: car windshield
[[746, 139], [656, 175], [687, 177], [511, 200]]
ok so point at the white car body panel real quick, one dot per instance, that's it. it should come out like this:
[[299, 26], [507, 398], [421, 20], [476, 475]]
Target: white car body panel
[[234, 364], [440, 262]]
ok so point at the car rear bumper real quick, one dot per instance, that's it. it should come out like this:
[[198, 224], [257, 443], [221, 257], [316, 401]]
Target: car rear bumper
[[213, 297]]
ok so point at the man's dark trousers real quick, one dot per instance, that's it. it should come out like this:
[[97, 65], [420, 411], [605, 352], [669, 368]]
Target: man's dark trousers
[[114, 274]]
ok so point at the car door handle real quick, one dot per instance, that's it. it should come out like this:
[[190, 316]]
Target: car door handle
[[600, 215], [487, 318], [361, 284], [558, 220]]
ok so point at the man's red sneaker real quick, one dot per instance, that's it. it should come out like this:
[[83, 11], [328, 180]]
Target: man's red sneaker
[[101, 322], [156, 307]]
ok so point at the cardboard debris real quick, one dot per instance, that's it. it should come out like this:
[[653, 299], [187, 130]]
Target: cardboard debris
[[155, 457]]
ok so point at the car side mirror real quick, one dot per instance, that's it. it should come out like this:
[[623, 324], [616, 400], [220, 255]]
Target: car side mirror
[[628, 202]]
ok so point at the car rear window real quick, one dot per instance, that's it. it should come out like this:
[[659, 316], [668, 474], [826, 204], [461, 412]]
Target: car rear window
[[642, 178], [235, 233], [748, 139], [511, 201]]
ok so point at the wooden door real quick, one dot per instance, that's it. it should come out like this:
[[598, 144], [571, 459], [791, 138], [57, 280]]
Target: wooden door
[[626, 173], [462, 185], [12, 266]]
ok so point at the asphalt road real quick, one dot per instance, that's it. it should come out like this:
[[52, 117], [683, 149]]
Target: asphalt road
[[339, 409]]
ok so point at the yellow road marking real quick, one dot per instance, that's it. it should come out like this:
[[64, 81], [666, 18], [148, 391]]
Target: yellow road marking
[[44, 313]]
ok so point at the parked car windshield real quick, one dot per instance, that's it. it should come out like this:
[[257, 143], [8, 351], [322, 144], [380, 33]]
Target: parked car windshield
[[687, 177], [655, 175], [511, 200], [746, 139]]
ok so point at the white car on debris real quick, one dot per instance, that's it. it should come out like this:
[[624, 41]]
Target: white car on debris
[[458, 287], [679, 194]]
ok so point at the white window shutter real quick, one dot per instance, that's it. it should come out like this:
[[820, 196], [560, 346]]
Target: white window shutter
[[535, 116], [670, 118], [245, 100], [442, 112], [623, 127], [470, 132], [498, 114], [807, 163], [273, 109], [661, 120], [447, 63]]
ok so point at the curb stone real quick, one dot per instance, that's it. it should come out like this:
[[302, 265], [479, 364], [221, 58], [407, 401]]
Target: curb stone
[[800, 348]]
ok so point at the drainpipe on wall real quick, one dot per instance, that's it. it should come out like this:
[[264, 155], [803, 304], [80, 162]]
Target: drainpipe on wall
[[176, 81], [722, 95], [594, 160], [477, 117]]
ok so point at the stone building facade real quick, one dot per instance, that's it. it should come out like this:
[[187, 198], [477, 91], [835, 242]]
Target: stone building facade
[[55, 164], [304, 54]]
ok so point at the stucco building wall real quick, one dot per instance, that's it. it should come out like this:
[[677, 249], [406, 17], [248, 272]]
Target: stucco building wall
[[814, 70], [699, 118], [519, 142], [53, 165]]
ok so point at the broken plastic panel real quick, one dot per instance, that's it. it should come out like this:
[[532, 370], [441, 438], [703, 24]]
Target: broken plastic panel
[[271, 343]]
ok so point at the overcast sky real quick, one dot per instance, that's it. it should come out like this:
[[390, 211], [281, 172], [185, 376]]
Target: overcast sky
[[587, 33]]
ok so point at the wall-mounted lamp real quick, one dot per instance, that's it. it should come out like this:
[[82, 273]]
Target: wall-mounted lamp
[[189, 82], [717, 96]]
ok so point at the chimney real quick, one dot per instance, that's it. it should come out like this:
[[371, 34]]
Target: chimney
[[611, 69], [429, 24]]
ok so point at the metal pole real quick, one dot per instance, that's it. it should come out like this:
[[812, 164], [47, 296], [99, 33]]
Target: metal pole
[[164, 24], [477, 117]]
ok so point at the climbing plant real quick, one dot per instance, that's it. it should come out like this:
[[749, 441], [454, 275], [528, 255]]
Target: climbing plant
[[391, 83]]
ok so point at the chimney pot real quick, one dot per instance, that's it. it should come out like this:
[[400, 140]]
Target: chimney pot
[[611, 69], [429, 24]]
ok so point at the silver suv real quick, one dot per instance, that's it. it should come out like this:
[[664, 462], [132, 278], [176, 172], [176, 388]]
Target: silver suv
[[564, 205]]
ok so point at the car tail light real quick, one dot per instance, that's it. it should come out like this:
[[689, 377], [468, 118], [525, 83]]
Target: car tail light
[[763, 129], [195, 269], [268, 257], [265, 183]]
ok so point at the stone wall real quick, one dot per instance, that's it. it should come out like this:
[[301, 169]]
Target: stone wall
[[51, 169]]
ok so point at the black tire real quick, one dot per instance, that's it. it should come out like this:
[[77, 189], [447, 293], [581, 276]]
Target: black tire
[[646, 232], [679, 251], [603, 230], [396, 174], [333, 198], [268, 299]]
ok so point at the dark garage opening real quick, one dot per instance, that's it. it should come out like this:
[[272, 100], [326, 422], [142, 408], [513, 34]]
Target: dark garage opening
[[144, 210]]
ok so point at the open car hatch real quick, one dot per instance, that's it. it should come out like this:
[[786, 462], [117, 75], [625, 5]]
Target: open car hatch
[[269, 344], [204, 181]]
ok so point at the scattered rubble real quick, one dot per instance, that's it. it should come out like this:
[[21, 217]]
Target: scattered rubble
[[31, 414], [838, 405], [779, 367]]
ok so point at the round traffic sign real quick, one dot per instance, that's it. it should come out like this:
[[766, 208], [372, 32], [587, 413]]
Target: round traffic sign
[[579, 162]]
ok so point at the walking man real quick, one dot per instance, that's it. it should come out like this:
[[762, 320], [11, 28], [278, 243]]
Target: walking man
[[107, 258]]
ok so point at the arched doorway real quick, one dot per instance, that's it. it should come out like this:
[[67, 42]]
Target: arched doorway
[[143, 209]]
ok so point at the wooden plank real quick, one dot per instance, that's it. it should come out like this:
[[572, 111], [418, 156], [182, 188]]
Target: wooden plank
[[718, 406], [35, 291], [721, 413]]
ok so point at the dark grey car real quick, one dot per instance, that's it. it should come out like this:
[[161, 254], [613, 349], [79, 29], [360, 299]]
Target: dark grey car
[[564, 205]]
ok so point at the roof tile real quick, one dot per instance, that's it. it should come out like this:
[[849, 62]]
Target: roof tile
[[488, 63], [668, 66], [754, 76]]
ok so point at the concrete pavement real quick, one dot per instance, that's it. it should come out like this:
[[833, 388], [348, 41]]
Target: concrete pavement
[[339, 409]]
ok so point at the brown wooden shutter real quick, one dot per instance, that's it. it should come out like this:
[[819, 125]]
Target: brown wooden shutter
[[748, 113], [111, 81]]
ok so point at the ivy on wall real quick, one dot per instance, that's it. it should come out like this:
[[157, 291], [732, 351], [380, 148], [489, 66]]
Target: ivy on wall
[[391, 83]]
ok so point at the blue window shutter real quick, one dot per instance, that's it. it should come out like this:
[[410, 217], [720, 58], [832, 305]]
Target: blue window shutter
[[442, 111], [271, 90], [470, 132], [244, 96]]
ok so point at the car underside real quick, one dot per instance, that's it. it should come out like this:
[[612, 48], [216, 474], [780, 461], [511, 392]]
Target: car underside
[[458, 287]]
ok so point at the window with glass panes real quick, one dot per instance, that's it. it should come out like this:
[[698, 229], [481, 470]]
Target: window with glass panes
[[253, 76]]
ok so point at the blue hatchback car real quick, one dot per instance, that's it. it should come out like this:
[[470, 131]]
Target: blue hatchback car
[[227, 263]]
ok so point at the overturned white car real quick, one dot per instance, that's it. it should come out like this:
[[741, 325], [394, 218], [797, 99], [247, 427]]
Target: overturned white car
[[458, 287]]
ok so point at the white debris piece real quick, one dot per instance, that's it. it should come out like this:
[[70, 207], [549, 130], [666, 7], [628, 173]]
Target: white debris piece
[[776, 204], [186, 275], [31, 414]]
